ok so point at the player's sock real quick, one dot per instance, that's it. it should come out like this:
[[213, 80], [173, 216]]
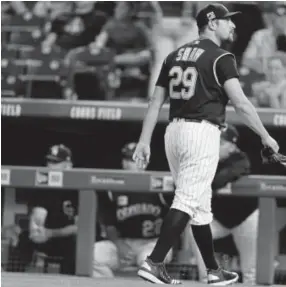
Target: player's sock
[[173, 225], [204, 239]]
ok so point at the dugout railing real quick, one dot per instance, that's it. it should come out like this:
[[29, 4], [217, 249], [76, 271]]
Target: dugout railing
[[87, 181]]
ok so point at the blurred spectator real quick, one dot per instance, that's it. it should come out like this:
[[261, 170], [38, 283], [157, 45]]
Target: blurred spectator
[[264, 43], [52, 226], [152, 11], [151, 14], [73, 24], [271, 92], [237, 216], [249, 21], [177, 29], [51, 10], [247, 79], [133, 221], [11, 8], [131, 42], [126, 36]]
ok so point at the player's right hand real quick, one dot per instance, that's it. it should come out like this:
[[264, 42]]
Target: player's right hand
[[271, 142], [142, 155]]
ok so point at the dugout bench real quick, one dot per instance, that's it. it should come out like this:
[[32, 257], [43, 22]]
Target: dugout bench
[[267, 188]]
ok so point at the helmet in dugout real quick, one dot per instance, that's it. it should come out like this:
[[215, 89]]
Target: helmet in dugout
[[59, 153]]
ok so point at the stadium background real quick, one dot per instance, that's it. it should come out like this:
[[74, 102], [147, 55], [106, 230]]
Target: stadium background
[[97, 144]]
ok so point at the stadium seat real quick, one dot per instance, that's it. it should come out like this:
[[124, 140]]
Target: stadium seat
[[11, 84], [44, 70], [90, 74], [39, 54], [133, 85], [25, 40], [45, 79], [7, 54], [19, 24], [23, 33], [44, 263], [4, 38], [247, 78], [45, 73]]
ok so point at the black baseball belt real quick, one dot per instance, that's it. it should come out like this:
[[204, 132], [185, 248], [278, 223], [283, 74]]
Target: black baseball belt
[[197, 121]]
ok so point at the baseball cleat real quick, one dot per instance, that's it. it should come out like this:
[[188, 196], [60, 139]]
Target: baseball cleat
[[221, 277], [156, 273]]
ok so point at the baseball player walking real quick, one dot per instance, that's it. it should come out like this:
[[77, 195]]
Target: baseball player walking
[[199, 78]]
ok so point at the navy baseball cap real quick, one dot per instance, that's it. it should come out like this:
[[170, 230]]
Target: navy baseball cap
[[59, 153], [211, 12]]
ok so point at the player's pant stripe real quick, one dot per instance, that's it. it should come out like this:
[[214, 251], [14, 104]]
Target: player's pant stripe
[[192, 151]]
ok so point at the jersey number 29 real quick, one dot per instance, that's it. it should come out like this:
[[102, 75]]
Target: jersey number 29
[[187, 78]]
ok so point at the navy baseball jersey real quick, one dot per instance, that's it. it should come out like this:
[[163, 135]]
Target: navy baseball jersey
[[194, 75], [138, 215]]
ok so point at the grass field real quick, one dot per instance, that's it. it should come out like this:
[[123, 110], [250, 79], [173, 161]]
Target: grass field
[[40, 280]]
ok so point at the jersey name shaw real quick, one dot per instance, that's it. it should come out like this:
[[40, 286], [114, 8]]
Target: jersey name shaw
[[189, 54]]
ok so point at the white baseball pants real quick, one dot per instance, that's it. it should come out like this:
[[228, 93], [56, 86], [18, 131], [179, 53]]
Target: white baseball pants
[[192, 150]]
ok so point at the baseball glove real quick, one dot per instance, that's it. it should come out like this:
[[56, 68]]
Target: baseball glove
[[269, 156]]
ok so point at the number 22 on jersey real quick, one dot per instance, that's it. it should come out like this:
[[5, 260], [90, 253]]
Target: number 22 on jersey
[[187, 78]]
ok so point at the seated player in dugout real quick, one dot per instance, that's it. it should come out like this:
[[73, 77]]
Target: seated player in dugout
[[132, 223], [52, 221], [236, 216]]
